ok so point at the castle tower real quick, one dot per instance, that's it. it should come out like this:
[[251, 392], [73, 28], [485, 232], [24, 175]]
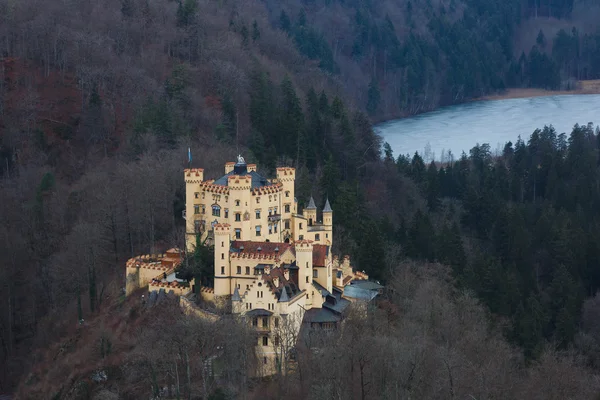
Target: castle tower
[[287, 206], [193, 178], [222, 234], [310, 212], [328, 223], [304, 261], [327, 214]]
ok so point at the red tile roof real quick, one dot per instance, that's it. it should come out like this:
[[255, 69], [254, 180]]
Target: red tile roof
[[267, 249], [319, 255]]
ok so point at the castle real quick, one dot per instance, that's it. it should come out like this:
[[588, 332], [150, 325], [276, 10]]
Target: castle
[[272, 265]]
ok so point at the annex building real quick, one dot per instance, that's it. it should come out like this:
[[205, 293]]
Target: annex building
[[272, 265]]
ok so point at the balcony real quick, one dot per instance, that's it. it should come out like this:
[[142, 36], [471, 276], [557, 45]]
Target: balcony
[[274, 217]]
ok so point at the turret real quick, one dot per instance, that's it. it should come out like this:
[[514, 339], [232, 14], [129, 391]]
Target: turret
[[327, 214], [310, 212], [193, 178], [304, 261], [222, 235]]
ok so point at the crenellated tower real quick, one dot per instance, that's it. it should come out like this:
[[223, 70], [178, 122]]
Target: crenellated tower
[[304, 261], [193, 179], [222, 237]]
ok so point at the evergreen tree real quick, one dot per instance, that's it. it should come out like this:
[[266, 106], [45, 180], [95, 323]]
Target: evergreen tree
[[255, 31]]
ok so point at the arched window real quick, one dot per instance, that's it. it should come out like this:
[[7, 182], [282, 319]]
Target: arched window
[[216, 210]]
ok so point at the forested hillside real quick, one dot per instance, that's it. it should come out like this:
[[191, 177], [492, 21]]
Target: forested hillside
[[99, 102]]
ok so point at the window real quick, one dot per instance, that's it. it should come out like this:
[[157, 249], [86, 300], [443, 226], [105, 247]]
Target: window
[[300, 225], [276, 322], [317, 237], [255, 321], [258, 230], [196, 195], [216, 211], [203, 194], [315, 273], [196, 209], [265, 322], [237, 203], [287, 224], [327, 236], [275, 227], [270, 198], [197, 226], [222, 256], [257, 200], [247, 270], [270, 229], [247, 286], [275, 197], [238, 233], [239, 270], [275, 211], [203, 209], [226, 213], [222, 270], [287, 194], [238, 217], [257, 214], [270, 211], [287, 208], [301, 237], [226, 199], [276, 340], [222, 244], [307, 279], [265, 341]]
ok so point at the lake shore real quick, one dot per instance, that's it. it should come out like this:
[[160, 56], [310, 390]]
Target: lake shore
[[584, 87]]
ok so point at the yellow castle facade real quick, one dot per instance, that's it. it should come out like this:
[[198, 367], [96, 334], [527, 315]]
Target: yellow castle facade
[[273, 266]]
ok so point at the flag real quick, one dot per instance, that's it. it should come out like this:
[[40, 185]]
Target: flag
[[189, 155]]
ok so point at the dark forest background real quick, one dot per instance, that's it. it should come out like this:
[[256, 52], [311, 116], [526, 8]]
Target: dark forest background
[[99, 102]]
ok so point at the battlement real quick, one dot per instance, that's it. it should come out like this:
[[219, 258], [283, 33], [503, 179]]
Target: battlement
[[304, 245], [229, 167], [276, 188], [160, 262], [222, 228], [286, 173], [193, 175], [239, 182], [210, 187]]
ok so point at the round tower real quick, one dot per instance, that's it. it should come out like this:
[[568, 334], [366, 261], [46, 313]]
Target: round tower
[[222, 235]]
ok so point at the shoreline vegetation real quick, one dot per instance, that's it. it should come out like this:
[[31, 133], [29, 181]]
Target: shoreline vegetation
[[583, 87]]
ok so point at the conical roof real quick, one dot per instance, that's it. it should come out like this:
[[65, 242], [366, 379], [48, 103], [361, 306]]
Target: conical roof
[[236, 295], [284, 296], [311, 204], [327, 207]]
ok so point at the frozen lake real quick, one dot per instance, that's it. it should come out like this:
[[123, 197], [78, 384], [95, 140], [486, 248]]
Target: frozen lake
[[459, 128]]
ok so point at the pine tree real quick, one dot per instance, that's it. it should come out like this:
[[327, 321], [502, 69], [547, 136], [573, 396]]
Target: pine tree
[[255, 31]]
